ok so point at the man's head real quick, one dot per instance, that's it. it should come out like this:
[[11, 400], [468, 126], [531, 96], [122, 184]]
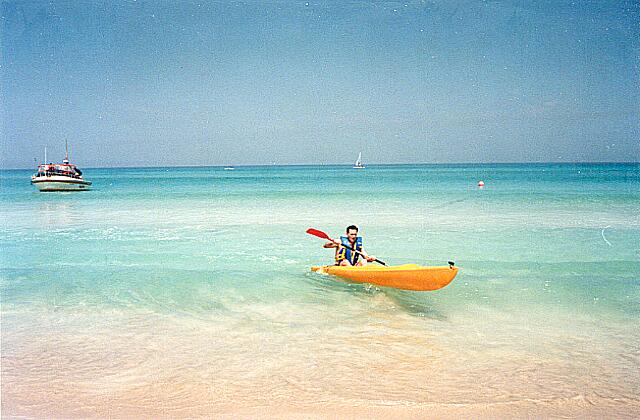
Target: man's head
[[352, 232]]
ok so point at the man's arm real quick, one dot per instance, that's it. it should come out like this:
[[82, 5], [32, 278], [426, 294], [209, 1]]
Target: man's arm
[[331, 244], [367, 257]]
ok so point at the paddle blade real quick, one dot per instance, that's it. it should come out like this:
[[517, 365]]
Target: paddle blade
[[318, 233]]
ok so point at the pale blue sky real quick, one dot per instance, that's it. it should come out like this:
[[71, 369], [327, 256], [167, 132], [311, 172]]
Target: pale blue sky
[[161, 83]]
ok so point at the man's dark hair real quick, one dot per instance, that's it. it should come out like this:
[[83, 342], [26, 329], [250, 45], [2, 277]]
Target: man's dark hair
[[352, 227]]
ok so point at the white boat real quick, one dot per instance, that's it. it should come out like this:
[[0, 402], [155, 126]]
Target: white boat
[[59, 176], [358, 164], [229, 168]]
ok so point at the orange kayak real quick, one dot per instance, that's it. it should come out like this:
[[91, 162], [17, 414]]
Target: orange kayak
[[406, 277]]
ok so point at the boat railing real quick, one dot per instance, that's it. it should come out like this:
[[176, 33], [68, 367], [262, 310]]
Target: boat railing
[[62, 173]]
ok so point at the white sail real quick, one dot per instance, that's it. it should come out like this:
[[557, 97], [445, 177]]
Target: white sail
[[358, 164]]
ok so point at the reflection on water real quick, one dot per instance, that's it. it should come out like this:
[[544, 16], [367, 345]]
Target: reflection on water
[[56, 214]]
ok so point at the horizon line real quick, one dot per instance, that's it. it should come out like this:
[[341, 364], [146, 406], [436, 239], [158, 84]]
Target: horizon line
[[342, 164]]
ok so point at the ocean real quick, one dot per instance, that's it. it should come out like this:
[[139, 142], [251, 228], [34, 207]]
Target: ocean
[[186, 292]]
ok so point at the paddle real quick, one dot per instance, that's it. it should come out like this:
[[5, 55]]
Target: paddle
[[321, 234]]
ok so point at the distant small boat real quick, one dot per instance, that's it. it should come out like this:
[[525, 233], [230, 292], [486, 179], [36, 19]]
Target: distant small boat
[[59, 176], [229, 168], [358, 164]]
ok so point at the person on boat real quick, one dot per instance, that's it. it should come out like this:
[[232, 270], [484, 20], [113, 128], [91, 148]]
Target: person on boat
[[345, 256]]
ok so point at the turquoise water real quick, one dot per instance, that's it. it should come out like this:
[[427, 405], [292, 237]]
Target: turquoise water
[[187, 291]]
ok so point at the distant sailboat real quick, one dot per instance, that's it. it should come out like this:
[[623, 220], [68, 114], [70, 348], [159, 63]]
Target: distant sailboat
[[358, 164]]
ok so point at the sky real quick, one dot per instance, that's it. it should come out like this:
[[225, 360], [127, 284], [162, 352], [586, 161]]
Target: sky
[[173, 83]]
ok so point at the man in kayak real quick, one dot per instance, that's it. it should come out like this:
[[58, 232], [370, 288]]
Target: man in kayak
[[345, 256]]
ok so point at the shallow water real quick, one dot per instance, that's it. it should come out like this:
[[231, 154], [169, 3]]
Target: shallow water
[[186, 291]]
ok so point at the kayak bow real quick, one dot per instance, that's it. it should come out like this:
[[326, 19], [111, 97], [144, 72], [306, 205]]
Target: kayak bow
[[406, 277]]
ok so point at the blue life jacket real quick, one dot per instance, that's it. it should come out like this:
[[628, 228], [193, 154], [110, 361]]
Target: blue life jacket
[[345, 252]]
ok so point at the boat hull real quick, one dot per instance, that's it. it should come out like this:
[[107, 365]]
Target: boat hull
[[50, 184], [405, 277]]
